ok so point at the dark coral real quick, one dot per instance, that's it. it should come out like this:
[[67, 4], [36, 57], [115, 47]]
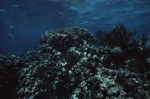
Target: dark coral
[[147, 45], [9, 78], [144, 38], [119, 36], [69, 65]]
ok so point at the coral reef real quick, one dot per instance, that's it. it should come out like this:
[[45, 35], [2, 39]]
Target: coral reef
[[119, 36], [68, 64], [63, 39], [144, 38], [120, 39], [147, 45], [9, 78]]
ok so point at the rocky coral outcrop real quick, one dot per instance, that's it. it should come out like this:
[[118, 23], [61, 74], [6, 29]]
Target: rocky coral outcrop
[[62, 39], [9, 78], [69, 65]]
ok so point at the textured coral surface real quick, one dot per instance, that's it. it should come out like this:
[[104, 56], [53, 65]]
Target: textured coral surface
[[68, 64]]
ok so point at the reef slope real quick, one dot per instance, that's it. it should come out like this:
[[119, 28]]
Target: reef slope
[[68, 64]]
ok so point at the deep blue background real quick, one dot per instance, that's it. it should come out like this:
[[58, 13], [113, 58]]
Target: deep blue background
[[32, 18]]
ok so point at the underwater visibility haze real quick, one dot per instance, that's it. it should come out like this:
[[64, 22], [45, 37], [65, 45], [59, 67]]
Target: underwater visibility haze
[[74, 49], [31, 18]]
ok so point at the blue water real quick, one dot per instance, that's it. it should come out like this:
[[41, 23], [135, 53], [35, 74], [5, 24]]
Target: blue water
[[23, 21]]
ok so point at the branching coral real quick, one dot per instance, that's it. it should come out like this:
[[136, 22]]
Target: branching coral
[[144, 38], [119, 36]]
